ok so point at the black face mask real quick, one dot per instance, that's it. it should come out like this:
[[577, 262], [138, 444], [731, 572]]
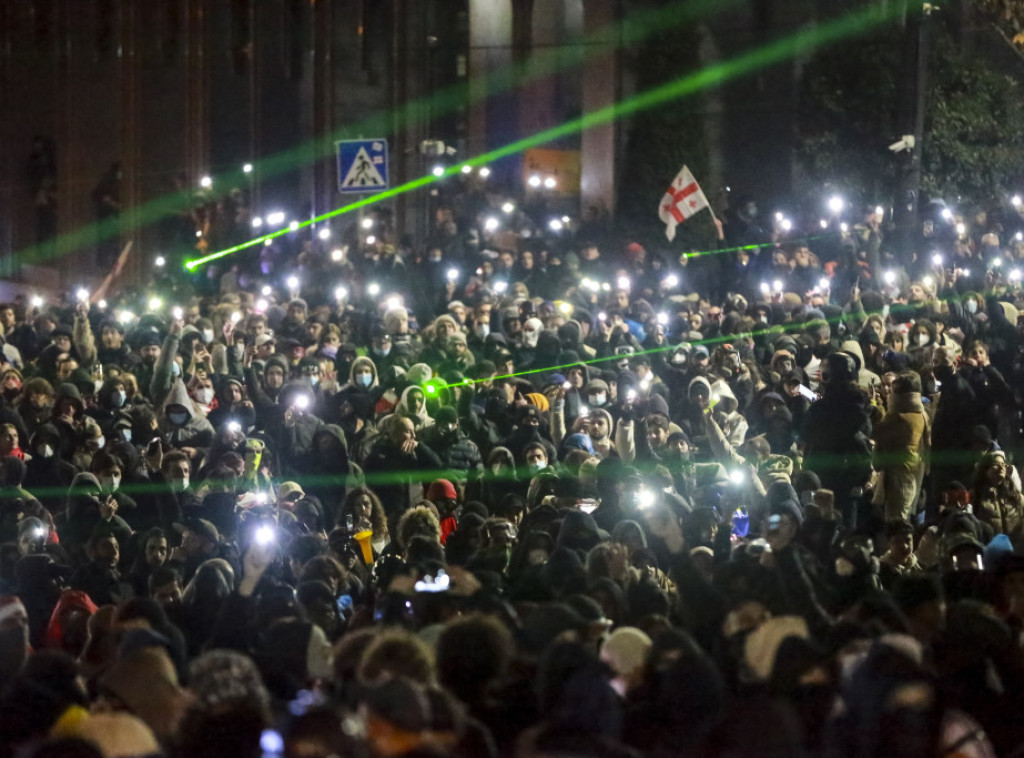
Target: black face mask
[[943, 373]]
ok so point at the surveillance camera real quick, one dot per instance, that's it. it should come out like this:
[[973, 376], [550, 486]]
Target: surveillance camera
[[432, 147]]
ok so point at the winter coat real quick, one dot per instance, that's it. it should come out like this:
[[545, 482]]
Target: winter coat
[[295, 442], [1002, 509], [105, 412], [325, 472], [836, 431], [902, 450], [31, 417], [82, 518], [458, 453], [197, 432], [401, 476], [732, 423], [48, 478], [351, 388], [991, 394]]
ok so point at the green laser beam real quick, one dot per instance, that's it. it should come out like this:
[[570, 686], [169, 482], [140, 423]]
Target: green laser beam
[[522, 474], [775, 52], [756, 246], [544, 62], [769, 331], [390, 478]]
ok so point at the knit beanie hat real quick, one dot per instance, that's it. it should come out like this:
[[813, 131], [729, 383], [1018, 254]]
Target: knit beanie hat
[[222, 678]]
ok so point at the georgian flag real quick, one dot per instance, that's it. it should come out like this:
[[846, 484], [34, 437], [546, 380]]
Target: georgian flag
[[682, 199]]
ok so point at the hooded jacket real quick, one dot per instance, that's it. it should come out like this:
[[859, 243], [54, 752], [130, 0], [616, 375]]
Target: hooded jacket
[[867, 380], [106, 412], [731, 422], [362, 362], [82, 517], [50, 477], [687, 412], [264, 398], [197, 432], [70, 434], [350, 388], [420, 420], [327, 470], [604, 447]]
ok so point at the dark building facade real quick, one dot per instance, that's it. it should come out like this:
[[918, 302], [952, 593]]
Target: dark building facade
[[175, 90]]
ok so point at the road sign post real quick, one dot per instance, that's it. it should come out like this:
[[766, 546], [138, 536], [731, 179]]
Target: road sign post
[[362, 165]]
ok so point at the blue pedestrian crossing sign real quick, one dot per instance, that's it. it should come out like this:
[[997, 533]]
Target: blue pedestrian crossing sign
[[362, 165]]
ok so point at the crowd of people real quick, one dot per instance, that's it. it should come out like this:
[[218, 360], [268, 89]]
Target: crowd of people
[[523, 495]]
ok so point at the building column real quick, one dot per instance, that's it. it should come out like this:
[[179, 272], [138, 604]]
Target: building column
[[323, 106], [131, 138], [600, 84], [490, 49]]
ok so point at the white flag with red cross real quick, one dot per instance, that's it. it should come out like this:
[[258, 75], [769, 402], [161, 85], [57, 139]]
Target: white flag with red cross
[[682, 199]]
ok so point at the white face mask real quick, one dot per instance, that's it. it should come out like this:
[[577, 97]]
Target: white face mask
[[971, 306], [96, 443], [207, 336], [364, 379], [482, 330], [599, 399], [119, 398], [110, 483], [530, 338], [922, 340], [383, 351], [538, 466], [46, 451], [179, 485], [204, 395]]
